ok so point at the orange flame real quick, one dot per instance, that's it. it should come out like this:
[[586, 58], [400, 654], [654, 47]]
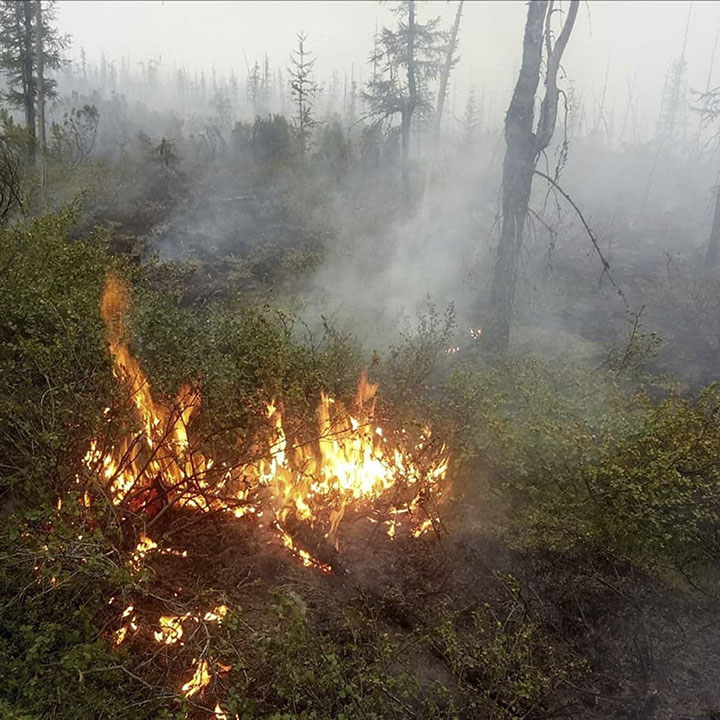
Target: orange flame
[[351, 464], [199, 681]]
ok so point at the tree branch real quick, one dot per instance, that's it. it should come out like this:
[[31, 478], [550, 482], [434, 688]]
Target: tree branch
[[590, 233]]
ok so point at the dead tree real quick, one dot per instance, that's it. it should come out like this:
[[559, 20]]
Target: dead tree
[[709, 110], [450, 61], [713, 251], [524, 144]]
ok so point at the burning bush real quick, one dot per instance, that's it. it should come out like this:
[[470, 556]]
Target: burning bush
[[348, 464]]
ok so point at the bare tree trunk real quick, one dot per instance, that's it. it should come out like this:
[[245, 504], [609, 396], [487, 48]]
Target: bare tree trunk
[[28, 78], [442, 94], [517, 179], [40, 94], [523, 148], [410, 105], [713, 251]]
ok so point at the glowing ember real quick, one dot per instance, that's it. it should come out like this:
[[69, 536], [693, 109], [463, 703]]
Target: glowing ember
[[121, 633], [143, 548], [171, 626], [423, 528], [303, 555], [215, 615]]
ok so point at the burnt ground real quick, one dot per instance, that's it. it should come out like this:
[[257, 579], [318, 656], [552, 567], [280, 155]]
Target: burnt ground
[[614, 642]]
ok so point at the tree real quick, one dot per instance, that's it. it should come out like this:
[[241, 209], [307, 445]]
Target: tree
[[405, 61], [303, 90], [524, 141], [471, 120], [709, 110], [451, 59], [39, 38], [21, 55], [672, 119], [74, 140], [12, 142], [253, 87]]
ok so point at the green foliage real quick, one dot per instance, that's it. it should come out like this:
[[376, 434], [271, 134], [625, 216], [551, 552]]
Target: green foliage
[[241, 357], [56, 576], [641, 346], [333, 149], [587, 464], [74, 139], [303, 89], [534, 423], [17, 46], [503, 656], [54, 378], [658, 492], [408, 376], [271, 142], [12, 141], [353, 669], [415, 48]]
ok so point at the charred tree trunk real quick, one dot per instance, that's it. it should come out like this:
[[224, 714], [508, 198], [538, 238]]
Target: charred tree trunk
[[517, 179], [713, 251], [410, 104], [523, 149]]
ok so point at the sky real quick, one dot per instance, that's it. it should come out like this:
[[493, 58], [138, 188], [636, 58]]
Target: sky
[[630, 41]]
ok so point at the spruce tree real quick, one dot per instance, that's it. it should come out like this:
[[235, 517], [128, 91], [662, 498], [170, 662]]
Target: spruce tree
[[303, 90], [406, 59], [19, 58]]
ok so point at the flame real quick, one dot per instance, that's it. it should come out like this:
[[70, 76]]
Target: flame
[[350, 466], [171, 630], [199, 681], [201, 677], [303, 555], [171, 626], [423, 528], [300, 492], [121, 633]]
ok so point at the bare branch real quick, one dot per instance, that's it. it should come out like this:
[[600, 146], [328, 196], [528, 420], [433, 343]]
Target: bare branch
[[590, 233]]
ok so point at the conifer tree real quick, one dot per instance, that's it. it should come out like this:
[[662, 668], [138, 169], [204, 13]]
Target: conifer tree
[[303, 90], [19, 58], [405, 60]]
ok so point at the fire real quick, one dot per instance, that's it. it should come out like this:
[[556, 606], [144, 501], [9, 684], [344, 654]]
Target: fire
[[199, 681], [201, 677], [171, 630], [299, 492], [350, 466], [121, 633], [171, 626]]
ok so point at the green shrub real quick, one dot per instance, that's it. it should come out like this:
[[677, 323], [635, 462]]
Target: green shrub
[[54, 379], [353, 668], [585, 462]]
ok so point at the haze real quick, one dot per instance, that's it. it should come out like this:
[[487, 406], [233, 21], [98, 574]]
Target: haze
[[627, 39]]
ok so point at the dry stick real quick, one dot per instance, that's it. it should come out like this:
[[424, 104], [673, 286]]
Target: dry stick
[[591, 235]]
